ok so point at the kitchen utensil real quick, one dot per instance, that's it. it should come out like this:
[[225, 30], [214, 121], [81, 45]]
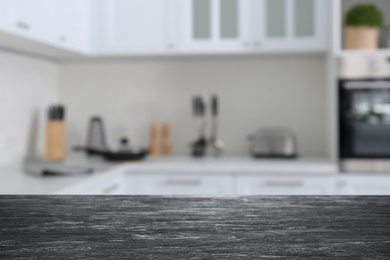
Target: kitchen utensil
[[96, 145], [124, 156], [216, 144], [96, 138], [273, 143], [166, 149], [199, 146], [154, 140], [133, 154]]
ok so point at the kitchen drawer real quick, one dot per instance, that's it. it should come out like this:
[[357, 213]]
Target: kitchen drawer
[[113, 186], [363, 185], [281, 185], [179, 184]]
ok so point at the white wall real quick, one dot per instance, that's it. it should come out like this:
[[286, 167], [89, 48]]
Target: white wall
[[255, 91], [27, 86]]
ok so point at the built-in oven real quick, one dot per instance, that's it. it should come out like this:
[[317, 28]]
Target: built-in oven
[[364, 114]]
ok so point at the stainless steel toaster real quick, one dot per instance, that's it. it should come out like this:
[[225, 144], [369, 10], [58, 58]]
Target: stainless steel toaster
[[273, 142]]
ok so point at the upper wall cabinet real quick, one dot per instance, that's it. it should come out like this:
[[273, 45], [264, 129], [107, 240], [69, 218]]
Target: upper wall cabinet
[[72, 24], [135, 26], [215, 25], [290, 24], [155, 27], [61, 25], [252, 25], [32, 19]]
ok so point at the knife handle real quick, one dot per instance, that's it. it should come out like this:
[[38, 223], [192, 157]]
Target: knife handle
[[214, 105]]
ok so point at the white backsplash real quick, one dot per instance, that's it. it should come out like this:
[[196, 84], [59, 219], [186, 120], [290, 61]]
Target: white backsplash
[[27, 86], [255, 91]]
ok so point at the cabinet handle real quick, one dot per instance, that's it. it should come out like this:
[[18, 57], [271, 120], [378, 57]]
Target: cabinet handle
[[284, 183], [171, 45], [342, 184], [177, 182], [257, 43], [23, 25], [110, 189], [246, 44], [63, 38]]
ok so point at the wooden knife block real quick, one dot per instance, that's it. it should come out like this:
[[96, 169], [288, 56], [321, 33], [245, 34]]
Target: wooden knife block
[[55, 140]]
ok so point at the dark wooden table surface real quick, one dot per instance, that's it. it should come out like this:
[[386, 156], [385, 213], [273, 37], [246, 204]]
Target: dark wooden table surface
[[142, 227]]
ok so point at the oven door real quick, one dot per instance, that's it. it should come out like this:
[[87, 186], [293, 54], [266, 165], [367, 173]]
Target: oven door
[[364, 119]]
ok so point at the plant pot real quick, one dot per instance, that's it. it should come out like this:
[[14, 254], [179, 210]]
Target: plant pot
[[361, 37]]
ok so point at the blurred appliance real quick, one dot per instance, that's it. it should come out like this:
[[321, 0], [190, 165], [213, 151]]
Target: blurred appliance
[[364, 114], [273, 143], [97, 145], [96, 137]]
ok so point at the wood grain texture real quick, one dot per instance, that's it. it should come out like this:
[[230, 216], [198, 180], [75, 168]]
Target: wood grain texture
[[144, 227]]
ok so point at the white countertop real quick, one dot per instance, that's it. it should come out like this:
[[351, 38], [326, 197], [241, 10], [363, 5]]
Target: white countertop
[[13, 180], [235, 164]]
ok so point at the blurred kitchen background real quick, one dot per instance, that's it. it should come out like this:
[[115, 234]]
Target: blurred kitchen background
[[232, 97]]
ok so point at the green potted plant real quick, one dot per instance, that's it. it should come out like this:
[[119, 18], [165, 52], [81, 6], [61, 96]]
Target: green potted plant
[[362, 25]]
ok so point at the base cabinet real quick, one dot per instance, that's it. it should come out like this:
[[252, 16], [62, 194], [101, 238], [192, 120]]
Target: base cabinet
[[200, 183], [271, 185], [114, 186], [179, 184], [363, 185]]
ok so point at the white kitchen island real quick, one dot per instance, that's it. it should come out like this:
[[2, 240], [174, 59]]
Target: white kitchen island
[[228, 176]]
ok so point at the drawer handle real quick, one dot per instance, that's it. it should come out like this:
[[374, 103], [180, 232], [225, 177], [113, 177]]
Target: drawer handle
[[110, 189], [171, 45], [257, 43], [284, 183], [194, 182], [246, 44], [23, 25], [342, 184]]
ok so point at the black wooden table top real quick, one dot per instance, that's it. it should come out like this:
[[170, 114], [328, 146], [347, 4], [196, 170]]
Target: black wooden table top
[[142, 227]]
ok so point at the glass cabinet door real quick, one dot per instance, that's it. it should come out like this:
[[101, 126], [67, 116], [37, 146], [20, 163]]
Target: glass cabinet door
[[229, 19], [304, 20], [290, 24], [217, 23], [201, 19], [215, 18], [276, 18], [290, 18]]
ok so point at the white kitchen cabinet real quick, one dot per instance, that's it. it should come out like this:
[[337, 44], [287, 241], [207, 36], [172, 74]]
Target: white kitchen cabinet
[[363, 185], [277, 184], [212, 26], [63, 24], [163, 27], [179, 184], [4, 6], [107, 186], [135, 26], [290, 25], [73, 24], [32, 19], [253, 25]]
